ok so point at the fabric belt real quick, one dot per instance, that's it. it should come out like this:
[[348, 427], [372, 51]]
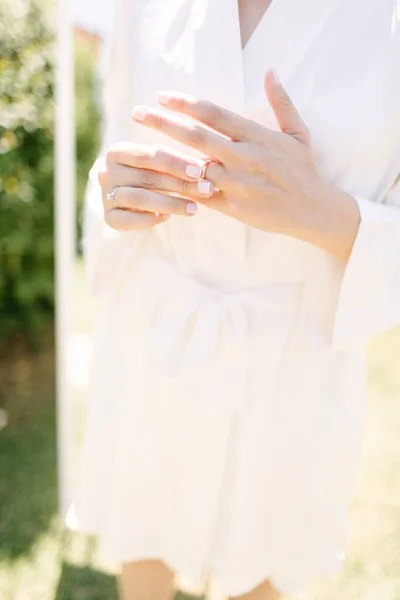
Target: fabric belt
[[202, 334]]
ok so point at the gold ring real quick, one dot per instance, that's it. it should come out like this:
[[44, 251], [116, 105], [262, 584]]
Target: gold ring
[[207, 163]]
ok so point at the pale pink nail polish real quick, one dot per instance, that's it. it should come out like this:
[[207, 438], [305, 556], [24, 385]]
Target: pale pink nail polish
[[165, 217], [140, 113], [164, 97], [204, 187], [193, 171], [191, 208]]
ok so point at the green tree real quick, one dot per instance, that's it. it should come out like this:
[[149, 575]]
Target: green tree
[[26, 160], [26, 165]]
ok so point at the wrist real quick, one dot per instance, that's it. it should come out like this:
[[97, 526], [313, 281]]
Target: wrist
[[333, 221]]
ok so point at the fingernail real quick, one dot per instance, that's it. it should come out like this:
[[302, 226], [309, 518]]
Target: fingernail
[[164, 97], [204, 187], [193, 171], [191, 208], [276, 76], [140, 113], [165, 217]]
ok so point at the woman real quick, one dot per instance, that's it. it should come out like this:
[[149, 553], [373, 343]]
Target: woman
[[244, 242]]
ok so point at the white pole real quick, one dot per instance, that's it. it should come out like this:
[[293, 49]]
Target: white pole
[[64, 244]]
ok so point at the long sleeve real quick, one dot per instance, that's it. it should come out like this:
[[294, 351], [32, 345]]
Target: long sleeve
[[346, 306], [369, 295], [107, 251]]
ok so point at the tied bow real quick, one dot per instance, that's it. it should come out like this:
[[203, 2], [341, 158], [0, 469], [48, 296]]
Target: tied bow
[[201, 335]]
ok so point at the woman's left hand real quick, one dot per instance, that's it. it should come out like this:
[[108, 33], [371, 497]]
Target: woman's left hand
[[266, 179]]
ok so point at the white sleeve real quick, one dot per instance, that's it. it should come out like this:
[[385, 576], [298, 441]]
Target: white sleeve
[[369, 295], [346, 305], [106, 250]]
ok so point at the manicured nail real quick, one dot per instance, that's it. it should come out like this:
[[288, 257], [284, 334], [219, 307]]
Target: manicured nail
[[276, 76], [193, 171], [191, 208], [165, 217], [140, 113], [164, 97], [204, 187]]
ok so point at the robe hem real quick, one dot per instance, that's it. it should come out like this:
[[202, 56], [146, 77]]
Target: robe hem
[[283, 584]]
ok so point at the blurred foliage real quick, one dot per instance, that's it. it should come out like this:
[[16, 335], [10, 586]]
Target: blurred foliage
[[26, 165], [26, 160]]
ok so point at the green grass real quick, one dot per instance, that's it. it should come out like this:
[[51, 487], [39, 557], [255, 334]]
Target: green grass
[[40, 561]]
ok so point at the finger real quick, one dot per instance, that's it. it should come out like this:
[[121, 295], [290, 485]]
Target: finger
[[154, 158], [125, 220], [224, 121], [142, 200], [121, 175], [288, 118], [186, 132], [151, 180]]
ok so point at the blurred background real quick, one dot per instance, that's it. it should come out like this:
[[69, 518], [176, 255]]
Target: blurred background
[[39, 559]]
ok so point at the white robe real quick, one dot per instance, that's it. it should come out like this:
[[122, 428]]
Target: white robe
[[226, 411]]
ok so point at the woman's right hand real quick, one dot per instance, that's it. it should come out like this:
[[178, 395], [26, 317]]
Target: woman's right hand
[[152, 183]]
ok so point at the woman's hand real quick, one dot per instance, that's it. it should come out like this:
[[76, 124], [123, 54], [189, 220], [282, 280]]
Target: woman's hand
[[139, 176], [266, 179]]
